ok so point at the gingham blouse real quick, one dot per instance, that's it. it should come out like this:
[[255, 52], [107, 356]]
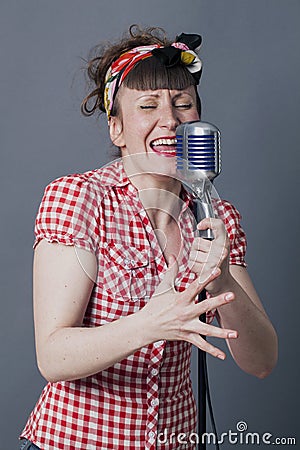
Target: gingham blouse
[[130, 404]]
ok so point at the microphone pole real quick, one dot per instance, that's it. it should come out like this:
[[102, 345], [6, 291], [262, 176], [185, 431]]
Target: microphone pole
[[201, 359], [198, 163]]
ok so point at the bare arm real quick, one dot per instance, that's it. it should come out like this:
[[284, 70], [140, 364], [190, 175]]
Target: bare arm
[[61, 291], [255, 350], [67, 351]]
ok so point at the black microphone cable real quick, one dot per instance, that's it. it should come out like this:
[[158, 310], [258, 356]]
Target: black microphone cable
[[204, 392], [203, 384]]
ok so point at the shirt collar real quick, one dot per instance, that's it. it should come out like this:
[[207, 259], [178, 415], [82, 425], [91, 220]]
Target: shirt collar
[[120, 179]]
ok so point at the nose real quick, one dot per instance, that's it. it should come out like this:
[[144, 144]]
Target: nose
[[169, 117]]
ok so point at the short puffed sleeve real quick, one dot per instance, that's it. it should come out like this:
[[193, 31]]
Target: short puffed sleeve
[[68, 214], [238, 242]]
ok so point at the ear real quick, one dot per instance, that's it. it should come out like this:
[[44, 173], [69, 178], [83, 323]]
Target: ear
[[116, 131]]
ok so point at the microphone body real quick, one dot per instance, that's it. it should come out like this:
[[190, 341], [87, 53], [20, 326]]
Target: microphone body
[[198, 163]]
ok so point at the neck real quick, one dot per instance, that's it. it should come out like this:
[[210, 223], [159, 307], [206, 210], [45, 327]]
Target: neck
[[149, 170], [163, 206], [159, 193]]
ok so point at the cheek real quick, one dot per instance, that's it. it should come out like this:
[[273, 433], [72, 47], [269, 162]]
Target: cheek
[[193, 115], [136, 129], [188, 116]]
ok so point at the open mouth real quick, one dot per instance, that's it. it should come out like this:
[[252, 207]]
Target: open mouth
[[165, 146]]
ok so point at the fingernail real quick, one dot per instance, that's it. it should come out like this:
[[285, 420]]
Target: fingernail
[[221, 357], [200, 280], [229, 296], [232, 334]]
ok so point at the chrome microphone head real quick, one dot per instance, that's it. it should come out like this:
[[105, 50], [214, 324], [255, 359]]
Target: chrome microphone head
[[198, 163], [198, 151]]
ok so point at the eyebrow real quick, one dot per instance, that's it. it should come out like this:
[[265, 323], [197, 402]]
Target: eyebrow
[[148, 95], [157, 95]]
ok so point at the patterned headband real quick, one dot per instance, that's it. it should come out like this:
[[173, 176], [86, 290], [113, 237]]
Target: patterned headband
[[181, 51]]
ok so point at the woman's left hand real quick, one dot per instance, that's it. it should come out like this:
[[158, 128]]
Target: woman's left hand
[[206, 255]]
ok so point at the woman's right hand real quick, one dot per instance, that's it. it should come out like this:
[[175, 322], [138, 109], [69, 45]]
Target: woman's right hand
[[67, 350], [174, 315]]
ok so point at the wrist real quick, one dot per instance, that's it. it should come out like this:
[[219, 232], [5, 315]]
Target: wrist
[[223, 284], [146, 325]]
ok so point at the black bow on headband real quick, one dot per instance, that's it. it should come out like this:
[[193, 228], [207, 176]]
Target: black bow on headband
[[193, 41], [171, 56]]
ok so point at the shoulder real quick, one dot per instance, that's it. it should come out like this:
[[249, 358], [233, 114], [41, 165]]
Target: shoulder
[[94, 181], [226, 210], [231, 217]]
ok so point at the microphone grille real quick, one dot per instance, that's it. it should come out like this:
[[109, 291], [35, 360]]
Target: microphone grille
[[198, 148]]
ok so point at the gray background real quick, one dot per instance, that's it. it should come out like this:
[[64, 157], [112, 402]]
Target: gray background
[[250, 89]]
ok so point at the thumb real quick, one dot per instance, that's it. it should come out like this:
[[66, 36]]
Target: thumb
[[168, 281]]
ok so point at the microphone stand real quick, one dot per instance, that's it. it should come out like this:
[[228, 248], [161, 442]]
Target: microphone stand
[[202, 388], [202, 208]]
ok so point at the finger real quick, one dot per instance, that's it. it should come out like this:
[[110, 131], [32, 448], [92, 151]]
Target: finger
[[218, 332], [202, 270], [215, 258], [216, 225], [199, 283], [214, 302], [168, 281], [201, 343], [203, 264], [201, 244], [213, 249], [200, 257], [205, 329], [209, 222]]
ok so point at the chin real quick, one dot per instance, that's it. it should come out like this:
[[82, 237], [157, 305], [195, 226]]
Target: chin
[[163, 172], [158, 166]]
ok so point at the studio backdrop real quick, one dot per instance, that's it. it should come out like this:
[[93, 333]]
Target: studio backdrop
[[249, 89]]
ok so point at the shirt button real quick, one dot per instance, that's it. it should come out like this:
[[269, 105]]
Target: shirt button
[[154, 372], [127, 262], [158, 344], [154, 402], [151, 435]]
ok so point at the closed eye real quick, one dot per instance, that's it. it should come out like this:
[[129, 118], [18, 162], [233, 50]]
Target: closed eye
[[147, 106], [184, 106]]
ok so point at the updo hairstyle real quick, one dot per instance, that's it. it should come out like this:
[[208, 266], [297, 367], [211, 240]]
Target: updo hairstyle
[[148, 74]]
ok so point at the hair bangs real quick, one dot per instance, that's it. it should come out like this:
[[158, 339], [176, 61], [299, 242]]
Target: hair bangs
[[151, 74]]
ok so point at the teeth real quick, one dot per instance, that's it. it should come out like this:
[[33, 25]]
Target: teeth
[[168, 151], [171, 141]]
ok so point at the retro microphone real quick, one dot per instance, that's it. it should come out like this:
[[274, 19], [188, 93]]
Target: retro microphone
[[198, 163]]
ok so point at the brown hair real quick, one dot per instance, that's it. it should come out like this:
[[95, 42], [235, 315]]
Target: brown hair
[[147, 74]]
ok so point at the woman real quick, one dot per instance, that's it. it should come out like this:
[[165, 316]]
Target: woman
[[117, 269]]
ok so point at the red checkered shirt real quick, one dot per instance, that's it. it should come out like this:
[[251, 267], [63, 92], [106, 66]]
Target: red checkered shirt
[[129, 405]]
